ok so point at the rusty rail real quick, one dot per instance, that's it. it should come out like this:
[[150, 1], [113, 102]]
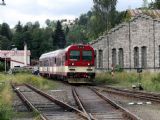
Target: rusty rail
[[128, 114], [27, 103], [136, 94], [60, 103], [80, 104]]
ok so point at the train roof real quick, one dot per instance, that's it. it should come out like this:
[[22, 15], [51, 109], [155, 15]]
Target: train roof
[[51, 54], [55, 53]]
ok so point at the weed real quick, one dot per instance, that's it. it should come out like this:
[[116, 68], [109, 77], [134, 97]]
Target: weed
[[150, 81]]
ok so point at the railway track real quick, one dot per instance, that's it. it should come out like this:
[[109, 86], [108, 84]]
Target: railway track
[[99, 107], [48, 107], [131, 93]]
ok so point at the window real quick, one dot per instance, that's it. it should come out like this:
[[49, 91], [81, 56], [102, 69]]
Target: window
[[120, 56], [144, 56], [100, 59], [114, 57], [136, 57], [95, 59], [87, 55], [74, 55], [55, 60]]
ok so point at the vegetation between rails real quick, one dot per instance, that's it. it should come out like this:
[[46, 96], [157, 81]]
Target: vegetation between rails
[[150, 81], [6, 94]]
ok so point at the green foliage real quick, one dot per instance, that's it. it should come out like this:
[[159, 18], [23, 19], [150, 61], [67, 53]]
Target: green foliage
[[59, 36], [106, 78], [76, 35], [156, 79], [105, 9], [5, 31], [6, 112], [155, 4], [37, 81], [118, 68], [149, 81], [1, 66]]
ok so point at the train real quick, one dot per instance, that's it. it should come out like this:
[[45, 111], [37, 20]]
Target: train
[[74, 64]]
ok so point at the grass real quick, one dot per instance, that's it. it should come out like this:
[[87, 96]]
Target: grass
[[149, 81], [6, 111], [37, 81], [6, 94]]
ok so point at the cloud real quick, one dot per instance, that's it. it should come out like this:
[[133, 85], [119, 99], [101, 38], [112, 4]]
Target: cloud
[[125, 4], [40, 10]]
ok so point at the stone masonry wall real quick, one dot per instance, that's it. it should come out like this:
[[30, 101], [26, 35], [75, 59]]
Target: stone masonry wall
[[141, 31]]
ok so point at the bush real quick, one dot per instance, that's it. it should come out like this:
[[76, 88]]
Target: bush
[[105, 78], [37, 81], [118, 68], [156, 79], [1, 66], [6, 112]]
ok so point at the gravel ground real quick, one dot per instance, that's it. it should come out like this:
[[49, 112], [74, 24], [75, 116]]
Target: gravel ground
[[65, 91], [61, 92], [143, 108], [18, 106]]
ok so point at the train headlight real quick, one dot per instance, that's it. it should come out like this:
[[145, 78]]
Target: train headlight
[[72, 63], [89, 64]]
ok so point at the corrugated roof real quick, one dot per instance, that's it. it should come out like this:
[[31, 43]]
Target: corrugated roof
[[152, 13]]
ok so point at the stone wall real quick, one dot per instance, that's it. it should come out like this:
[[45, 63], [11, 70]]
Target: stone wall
[[142, 32]]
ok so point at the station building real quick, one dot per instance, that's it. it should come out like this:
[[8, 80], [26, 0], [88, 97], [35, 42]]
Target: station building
[[16, 58], [132, 44]]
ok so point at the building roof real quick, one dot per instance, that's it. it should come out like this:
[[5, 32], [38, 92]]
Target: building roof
[[150, 12], [13, 52]]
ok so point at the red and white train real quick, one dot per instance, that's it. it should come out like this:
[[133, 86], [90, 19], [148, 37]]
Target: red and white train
[[74, 64]]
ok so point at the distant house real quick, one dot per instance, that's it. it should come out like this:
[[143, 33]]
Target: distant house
[[132, 44], [16, 58]]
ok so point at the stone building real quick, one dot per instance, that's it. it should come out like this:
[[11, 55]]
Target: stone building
[[131, 45]]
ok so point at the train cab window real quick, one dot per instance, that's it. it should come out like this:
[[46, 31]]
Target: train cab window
[[87, 55], [74, 55]]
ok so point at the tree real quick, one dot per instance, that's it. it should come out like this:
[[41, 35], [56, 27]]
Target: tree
[[18, 27], [105, 9], [59, 36], [6, 31], [155, 5], [4, 43]]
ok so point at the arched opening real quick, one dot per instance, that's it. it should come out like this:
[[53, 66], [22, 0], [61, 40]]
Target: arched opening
[[120, 57], [100, 59], [144, 56], [136, 57], [114, 58]]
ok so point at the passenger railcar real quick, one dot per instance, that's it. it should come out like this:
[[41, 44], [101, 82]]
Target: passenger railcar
[[74, 64]]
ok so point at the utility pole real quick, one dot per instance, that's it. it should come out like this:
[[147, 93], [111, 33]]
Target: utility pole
[[3, 3]]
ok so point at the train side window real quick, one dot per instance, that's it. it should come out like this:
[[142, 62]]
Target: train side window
[[55, 60]]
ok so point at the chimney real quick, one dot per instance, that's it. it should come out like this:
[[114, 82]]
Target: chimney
[[25, 54]]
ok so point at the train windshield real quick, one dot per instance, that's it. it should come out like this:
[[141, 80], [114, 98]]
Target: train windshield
[[74, 55], [87, 55]]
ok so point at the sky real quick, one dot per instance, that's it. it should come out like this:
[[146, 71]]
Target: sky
[[40, 10]]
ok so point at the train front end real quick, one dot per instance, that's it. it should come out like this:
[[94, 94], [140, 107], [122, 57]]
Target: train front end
[[80, 64]]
